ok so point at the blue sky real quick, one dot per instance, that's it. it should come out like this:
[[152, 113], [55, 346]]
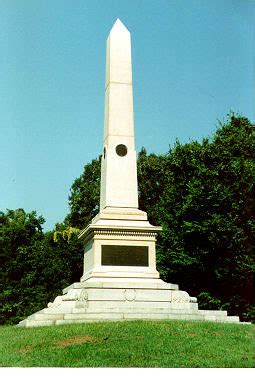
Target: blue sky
[[192, 64]]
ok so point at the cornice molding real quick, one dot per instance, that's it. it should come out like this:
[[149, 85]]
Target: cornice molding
[[92, 231]]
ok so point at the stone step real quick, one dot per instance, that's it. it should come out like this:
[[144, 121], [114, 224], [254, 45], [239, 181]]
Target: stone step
[[121, 283], [48, 316], [83, 321], [130, 318], [140, 310], [47, 320], [33, 323], [164, 316], [133, 312], [135, 307], [233, 319], [116, 315], [131, 315], [213, 312], [93, 315], [119, 306]]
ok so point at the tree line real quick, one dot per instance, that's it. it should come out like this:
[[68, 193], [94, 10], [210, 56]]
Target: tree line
[[201, 193]]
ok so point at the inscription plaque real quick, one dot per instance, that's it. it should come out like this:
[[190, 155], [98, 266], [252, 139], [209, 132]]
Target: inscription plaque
[[123, 255]]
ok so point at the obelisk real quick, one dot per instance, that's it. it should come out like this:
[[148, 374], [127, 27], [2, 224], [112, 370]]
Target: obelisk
[[118, 168]]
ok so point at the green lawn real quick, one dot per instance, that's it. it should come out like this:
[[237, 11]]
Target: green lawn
[[129, 344]]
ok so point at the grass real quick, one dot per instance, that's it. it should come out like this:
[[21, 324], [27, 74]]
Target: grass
[[129, 344]]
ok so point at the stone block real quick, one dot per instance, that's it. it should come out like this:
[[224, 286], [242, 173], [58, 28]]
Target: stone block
[[210, 318], [213, 313], [64, 322], [183, 306], [93, 315], [145, 316], [47, 316], [116, 283], [234, 319], [186, 316], [35, 323]]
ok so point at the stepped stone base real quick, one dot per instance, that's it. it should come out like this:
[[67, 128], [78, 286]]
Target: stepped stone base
[[112, 299]]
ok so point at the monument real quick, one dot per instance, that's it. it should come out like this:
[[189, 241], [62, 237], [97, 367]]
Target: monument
[[120, 280]]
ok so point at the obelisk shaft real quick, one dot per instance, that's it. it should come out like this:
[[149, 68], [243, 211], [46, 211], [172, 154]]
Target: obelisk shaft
[[118, 169]]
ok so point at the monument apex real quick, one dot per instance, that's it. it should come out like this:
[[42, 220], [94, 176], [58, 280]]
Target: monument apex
[[120, 26]]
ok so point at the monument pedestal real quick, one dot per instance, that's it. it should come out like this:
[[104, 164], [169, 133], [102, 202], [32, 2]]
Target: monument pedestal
[[120, 280], [120, 243]]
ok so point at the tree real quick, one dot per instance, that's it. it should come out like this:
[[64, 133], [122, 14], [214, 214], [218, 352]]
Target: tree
[[35, 268], [85, 196], [152, 178], [208, 220], [18, 230]]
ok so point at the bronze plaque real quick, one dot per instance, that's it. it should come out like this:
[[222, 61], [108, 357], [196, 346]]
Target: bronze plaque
[[124, 255], [121, 150]]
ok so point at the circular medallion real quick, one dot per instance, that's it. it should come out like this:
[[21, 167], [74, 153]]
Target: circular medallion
[[121, 150], [130, 295]]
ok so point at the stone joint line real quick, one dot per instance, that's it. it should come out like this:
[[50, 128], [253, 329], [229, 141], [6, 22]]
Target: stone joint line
[[118, 83]]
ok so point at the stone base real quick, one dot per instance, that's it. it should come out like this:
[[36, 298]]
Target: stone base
[[112, 299], [119, 243]]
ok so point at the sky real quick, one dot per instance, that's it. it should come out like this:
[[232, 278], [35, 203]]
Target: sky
[[192, 64]]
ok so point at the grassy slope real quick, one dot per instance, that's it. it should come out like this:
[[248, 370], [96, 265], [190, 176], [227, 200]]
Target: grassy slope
[[129, 344]]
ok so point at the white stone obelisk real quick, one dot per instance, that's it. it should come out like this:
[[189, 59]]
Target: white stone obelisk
[[118, 168]]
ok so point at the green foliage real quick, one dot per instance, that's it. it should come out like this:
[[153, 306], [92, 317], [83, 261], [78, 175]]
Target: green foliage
[[152, 179], [249, 315], [34, 268], [207, 301], [206, 211], [168, 344], [85, 196], [66, 234], [17, 231]]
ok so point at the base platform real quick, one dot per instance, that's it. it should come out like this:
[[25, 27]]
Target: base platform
[[114, 299]]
